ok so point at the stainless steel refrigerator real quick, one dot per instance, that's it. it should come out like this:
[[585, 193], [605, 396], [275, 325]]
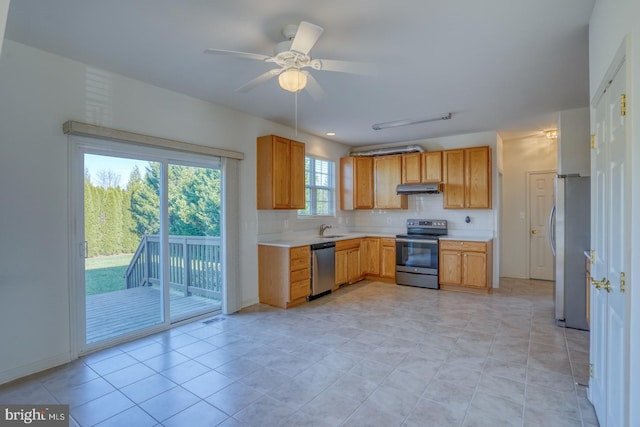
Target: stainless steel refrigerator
[[569, 236]]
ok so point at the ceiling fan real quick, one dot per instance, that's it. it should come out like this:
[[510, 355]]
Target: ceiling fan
[[292, 57]]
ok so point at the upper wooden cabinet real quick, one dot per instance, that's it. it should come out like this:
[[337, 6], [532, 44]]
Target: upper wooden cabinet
[[388, 174], [467, 178], [420, 168], [431, 166], [356, 183], [280, 173], [411, 168]]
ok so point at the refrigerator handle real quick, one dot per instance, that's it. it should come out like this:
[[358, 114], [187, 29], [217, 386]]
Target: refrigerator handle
[[552, 230]]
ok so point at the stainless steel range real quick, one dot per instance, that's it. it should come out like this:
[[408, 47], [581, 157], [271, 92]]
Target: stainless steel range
[[417, 253]]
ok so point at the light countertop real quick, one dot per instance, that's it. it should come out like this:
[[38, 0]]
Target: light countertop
[[290, 242]]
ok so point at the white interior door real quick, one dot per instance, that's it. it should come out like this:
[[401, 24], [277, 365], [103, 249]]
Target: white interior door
[[609, 341], [541, 263]]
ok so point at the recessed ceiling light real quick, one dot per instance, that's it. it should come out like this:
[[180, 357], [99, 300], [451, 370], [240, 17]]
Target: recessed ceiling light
[[331, 134]]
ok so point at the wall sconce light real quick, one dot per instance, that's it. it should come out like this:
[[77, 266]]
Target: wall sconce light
[[551, 134]]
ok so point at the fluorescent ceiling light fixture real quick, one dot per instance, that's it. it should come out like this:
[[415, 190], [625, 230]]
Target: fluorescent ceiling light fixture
[[292, 79], [331, 134], [407, 122]]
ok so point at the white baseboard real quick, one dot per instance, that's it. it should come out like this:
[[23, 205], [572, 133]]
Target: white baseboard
[[33, 368], [252, 301]]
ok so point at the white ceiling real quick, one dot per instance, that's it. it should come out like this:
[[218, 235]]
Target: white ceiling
[[497, 65]]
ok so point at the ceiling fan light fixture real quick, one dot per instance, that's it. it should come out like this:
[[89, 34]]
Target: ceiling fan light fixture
[[292, 80]]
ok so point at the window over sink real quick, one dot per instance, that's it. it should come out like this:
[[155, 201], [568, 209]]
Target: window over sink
[[320, 189]]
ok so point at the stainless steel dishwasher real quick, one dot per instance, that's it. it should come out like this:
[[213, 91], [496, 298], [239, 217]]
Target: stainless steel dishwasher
[[323, 269]]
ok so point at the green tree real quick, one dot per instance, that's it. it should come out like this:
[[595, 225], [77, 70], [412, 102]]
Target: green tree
[[193, 199]]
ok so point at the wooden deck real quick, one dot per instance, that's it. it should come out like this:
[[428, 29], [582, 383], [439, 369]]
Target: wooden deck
[[120, 312]]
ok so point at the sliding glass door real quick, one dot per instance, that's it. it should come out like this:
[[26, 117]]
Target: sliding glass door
[[148, 229], [195, 278]]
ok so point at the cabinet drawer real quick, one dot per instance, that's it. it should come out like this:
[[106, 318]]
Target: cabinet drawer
[[300, 289], [300, 252], [388, 241], [298, 275], [299, 264], [463, 245], [342, 245]]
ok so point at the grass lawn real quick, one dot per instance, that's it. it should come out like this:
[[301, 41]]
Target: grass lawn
[[105, 273]]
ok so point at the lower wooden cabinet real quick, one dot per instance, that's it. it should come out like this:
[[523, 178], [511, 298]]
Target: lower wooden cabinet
[[284, 275], [466, 266], [370, 256], [388, 258], [347, 261]]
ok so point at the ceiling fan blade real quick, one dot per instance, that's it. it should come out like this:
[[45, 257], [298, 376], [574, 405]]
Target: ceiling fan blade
[[306, 36], [345, 66], [245, 55], [314, 89], [259, 80]]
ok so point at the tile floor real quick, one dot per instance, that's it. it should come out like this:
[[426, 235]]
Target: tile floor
[[372, 354]]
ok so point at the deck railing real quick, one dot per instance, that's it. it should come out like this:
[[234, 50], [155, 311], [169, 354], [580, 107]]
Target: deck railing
[[195, 266]]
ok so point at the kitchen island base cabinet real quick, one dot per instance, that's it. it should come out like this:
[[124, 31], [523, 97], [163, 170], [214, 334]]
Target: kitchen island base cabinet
[[466, 266], [284, 275]]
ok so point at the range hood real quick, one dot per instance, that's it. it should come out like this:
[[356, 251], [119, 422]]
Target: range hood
[[418, 188]]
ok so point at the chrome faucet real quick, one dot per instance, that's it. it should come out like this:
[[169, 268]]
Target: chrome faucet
[[323, 228]]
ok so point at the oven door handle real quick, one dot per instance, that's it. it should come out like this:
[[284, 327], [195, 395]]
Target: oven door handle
[[415, 241]]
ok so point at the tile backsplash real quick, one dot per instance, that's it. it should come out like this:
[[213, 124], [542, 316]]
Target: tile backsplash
[[287, 223]]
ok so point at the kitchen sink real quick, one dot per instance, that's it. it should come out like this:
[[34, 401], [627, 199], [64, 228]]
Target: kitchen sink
[[331, 236]]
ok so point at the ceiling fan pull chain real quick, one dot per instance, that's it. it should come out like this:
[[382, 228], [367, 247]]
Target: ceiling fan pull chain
[[295, 107]]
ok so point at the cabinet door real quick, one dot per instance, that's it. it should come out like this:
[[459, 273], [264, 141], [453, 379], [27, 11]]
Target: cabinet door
[[478, 178], [354, 270], [281, 172], [474, 269], [341, 267], [388, 264], [388, 174], [363, 171], [411, 166], [431, 163], [370, 256], [297, 182], [450, 267], [453, 164]]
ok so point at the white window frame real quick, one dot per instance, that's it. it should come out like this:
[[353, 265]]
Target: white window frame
[[312, 187]]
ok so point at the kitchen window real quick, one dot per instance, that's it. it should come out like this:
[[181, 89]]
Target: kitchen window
[[319, 178]]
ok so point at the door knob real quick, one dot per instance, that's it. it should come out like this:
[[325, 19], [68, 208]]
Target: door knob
[[534, 231]]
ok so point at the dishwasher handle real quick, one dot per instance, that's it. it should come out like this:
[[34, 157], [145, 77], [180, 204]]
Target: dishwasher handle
[[323, 245]]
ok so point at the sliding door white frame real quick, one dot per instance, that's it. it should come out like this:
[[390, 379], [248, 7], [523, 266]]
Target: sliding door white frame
[[78, 146]]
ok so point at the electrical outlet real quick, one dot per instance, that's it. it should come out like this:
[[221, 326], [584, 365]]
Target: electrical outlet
[[388, 220], [286, 224]]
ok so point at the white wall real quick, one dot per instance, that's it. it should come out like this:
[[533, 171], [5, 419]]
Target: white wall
[[40, 91], [574, 142], [520, 157], [610, 21]]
